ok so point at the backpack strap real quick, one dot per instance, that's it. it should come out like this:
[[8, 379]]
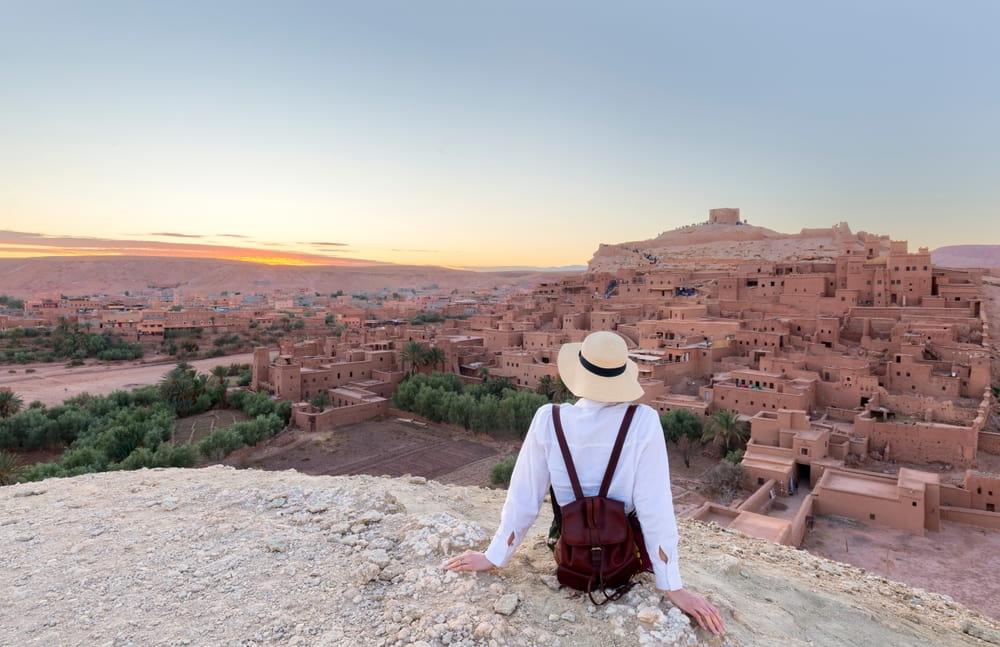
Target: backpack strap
[[567, 457], [617, 451]]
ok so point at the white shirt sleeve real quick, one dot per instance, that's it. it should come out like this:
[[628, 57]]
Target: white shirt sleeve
[[528, 484], [654, 506]]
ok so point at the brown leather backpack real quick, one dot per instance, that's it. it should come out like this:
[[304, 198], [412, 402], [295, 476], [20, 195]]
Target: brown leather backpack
[[596, 549]]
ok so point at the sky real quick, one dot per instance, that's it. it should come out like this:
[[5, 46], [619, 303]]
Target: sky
[[480, 134]]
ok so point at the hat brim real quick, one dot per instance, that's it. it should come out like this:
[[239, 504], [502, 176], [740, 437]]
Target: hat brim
[[584, 384]]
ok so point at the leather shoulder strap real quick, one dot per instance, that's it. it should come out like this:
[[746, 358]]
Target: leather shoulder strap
[[617, 451], [567, 458]]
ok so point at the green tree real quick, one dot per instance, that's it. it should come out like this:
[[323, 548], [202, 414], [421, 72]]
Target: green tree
[[435, 357], [218, 379], [412, 355], [726, 431], [546, 386], [180, 388], [219, 444], [501, 472], [682, 428], [10, 404], [321, 400]]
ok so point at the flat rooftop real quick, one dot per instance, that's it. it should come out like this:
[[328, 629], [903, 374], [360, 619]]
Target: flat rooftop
[[875, 487], [758, 525]]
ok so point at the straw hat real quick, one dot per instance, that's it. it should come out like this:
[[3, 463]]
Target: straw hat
[[599, 369]]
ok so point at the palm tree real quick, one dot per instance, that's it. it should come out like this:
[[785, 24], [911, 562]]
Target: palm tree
[[11, 469], [412, 354], [180, 387], [219, 378], [484, 372], [726, 430], [9, 403], [546, 386], [435, 356]]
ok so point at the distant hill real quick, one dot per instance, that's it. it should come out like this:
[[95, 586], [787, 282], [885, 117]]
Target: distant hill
[[720, 246], [967, 256], [114, 275]]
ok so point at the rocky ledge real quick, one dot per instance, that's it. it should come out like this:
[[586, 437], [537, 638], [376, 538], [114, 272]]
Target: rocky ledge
[[219, 556]]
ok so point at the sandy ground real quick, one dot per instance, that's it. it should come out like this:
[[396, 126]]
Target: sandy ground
[[953, 561], [53, 383]]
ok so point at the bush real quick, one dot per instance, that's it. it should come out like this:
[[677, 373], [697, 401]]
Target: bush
[[500, 474], [726, 479], [219, 444], [735, 456]]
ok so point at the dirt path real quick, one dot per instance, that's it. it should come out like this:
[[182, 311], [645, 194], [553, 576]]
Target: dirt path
[[53, 383]]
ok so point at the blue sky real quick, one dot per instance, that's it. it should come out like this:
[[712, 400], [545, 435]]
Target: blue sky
[[472, 133]]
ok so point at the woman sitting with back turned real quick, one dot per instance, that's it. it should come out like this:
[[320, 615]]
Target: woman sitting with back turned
[[606, 381]]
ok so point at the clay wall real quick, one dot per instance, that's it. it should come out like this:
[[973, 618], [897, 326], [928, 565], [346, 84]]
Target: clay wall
[[760, 500], [954, 496], [670, 401], [895, 512], [984, 490], [805, 285], [920, 442], [980, 518], [989, 442], [575, 321], [495, 340], [749, 402], [332, 417], [799, 521], [603, 320]]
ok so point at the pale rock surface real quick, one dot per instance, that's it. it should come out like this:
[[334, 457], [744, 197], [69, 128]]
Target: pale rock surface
[[224, 557]]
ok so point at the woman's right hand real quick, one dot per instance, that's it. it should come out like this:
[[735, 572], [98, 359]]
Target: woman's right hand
[[707, 616]]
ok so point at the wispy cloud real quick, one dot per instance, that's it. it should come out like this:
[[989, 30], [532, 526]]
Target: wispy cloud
[[419, 251], [25, 244], [232, 236], [173, 235], [318, 244]]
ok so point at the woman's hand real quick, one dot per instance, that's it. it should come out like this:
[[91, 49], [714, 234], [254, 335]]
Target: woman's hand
[[470, 560], [707, 616]]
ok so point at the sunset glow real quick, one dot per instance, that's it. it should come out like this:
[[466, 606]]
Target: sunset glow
[[486, 135]]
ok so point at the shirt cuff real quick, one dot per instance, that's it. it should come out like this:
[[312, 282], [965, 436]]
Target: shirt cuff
[[499, 553], [668, 576]]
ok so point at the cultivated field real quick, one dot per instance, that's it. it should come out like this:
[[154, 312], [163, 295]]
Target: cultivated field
[[53, 383], [389, 447]]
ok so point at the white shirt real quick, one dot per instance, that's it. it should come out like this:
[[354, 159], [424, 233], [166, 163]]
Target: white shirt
[[641, 481]]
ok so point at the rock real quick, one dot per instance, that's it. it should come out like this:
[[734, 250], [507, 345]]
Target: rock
[[277, 543], [551, 581], [24, 537], [169, 504], [981, 632], [727, 564], [417, 480], [378, 557], [649, 615], [506, 604], [31, 491]]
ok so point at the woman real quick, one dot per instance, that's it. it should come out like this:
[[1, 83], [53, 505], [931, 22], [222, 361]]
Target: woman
[[599, 372]]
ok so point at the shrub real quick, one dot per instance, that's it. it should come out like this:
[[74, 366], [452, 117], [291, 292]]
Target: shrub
[[735, 456], [726, 479], [219, 444], [500, 474]]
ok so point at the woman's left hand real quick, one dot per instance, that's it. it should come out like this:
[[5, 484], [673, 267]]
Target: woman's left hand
[[470, 560]]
